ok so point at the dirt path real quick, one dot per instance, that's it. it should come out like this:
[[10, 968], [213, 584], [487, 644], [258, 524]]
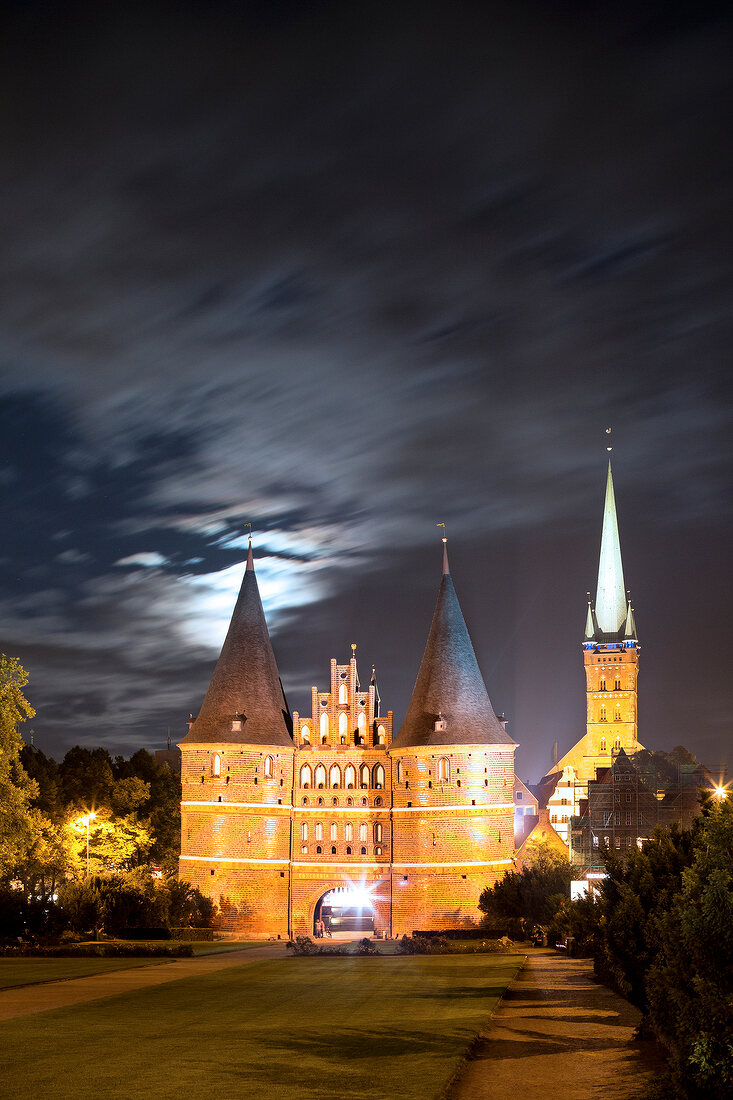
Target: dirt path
[[29, 999], [558, 1034]]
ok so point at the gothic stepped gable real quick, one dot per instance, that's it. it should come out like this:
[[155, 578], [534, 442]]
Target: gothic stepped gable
[[244, 703], [449, 685]]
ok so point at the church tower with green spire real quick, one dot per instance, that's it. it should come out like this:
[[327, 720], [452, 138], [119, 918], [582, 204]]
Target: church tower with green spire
[[611, 660]]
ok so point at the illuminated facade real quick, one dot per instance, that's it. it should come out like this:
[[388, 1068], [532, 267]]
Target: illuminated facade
[[280, 813]]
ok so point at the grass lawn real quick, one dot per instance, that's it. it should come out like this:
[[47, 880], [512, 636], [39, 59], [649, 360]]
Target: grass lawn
[[308, 1028], [16, 972]]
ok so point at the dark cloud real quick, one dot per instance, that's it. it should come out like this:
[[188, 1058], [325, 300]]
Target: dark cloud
[[342, 272]]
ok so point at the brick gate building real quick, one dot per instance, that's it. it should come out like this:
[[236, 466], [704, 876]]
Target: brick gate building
[[278, 811]]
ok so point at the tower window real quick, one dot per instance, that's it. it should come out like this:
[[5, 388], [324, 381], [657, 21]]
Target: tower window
[[319, 831], [602, 715], [334, 831], [381, 735], [400, 772], [333, 850], [324, 727], [364, 775], [304, 831], [343, 725], [444, 770], [603, 744], [334, 776], [602, 684], [363, 831], [306, 776], [304, 849], [363, 851], [350, 777], [348, 851], [379, 777], [320, 777], [617, 684], [343, 698], [319, 850], [617, 714], [269, 767], [377, 832], [216, 764], [348, 831], [305, 735]]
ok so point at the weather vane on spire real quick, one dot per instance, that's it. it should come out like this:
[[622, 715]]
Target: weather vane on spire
[[445, 533], [250, 530], [609, 448]]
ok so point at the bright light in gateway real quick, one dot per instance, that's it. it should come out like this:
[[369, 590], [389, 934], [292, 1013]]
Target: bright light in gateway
[[354, 896]]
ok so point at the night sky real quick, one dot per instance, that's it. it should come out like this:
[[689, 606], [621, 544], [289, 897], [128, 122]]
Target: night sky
[[344, 272]]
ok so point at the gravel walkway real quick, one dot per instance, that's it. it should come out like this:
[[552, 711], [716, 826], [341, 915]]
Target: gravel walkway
[[557, 1033]]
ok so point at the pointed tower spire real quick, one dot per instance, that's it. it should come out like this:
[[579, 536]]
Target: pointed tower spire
[[589, 624], [450, 704], [611, 592], [630, 624], [244, 703], [377, 700]]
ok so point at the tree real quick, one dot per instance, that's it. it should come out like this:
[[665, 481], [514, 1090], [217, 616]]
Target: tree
[[17, 790], [115, 843], [641, 884], [535, 893], [689, 983]]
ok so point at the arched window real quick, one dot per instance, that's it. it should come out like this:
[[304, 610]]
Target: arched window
[[377, 851], [350, 777], [334, 831], [319, 831], [364, 802], [602, 716], [304, 849], [602, 684], [348, 851], [334, 801], [381, 735], [363, 831], [361, 723], [379, 777], [444, 770], [269, 767], [617, 684], [305, 801], [304, 831], [320, 776], [216, 764], [603, 744], [343, 697], [334, 776], [305, 734], [400, 772], [377, 832], [364, 775], [363, 851], [324, 727], [306, 776], [349, 801], [377, 801], [319, 850], [617, 714], [333, 851], [348, 831], [343, 723]]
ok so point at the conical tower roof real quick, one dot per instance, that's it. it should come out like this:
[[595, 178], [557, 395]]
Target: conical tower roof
[[449, 685], [611, 593], [245, 686]]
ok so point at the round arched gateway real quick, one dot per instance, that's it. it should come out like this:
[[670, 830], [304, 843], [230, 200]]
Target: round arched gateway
[[344, 909]]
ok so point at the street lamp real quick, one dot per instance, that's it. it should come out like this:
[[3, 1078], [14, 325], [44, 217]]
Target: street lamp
[[85, 821]]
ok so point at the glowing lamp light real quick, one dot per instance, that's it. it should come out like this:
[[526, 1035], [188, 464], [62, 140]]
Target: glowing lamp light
[[720, 792]]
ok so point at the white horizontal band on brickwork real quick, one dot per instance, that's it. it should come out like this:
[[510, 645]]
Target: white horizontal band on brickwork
[[457, 806], [243, 805], [471, 863], [227, 859]]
